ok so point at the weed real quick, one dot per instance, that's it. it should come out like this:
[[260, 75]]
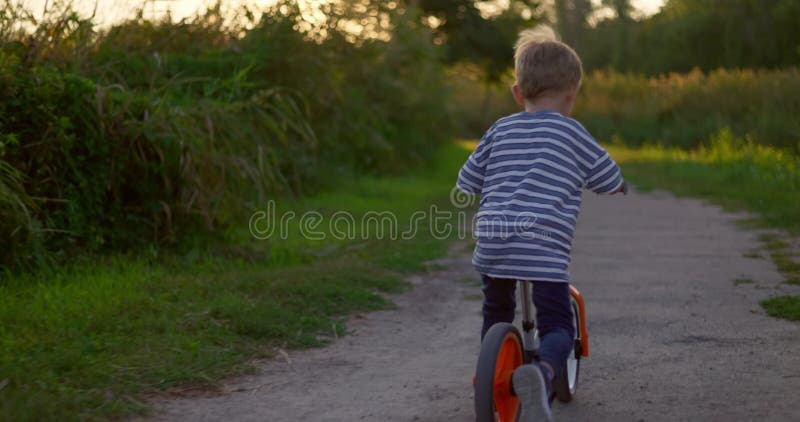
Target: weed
[[753, 255], [786, 307]]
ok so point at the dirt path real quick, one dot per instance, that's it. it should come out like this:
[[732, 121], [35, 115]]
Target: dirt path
[[672, 337]]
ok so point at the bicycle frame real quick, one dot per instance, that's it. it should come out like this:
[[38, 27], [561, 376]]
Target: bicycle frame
[[582, 331]]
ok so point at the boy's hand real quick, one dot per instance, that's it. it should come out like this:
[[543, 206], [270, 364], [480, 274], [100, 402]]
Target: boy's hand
[[623, 188]]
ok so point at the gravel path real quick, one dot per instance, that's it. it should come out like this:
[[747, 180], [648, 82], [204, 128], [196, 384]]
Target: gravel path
[[672, 336]]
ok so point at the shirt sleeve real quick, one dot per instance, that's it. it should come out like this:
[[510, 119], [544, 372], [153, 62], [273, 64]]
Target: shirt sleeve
[[604, 176], [470, 177]]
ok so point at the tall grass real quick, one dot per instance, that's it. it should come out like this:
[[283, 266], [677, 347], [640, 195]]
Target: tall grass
[[678, 110], [733, 171], [477, 105], [151, 130], [686, 110]]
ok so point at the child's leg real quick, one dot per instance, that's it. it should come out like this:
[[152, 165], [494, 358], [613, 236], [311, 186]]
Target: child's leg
[[554, 321], [498, 301]]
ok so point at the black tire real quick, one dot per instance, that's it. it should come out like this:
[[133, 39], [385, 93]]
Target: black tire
[[561, 384], [487, 362]]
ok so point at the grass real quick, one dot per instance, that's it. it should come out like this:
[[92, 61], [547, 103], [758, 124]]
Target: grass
[[783, 256], [735, 173], [685, 109], [754, 254], [786, 307], [738, 175], [89, 341]]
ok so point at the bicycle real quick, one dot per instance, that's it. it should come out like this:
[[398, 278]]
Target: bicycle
[[504, 348]]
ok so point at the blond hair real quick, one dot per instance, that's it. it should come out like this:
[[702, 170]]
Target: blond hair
[[543, 64]]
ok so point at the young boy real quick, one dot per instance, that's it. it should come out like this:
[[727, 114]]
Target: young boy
[[529, 169]]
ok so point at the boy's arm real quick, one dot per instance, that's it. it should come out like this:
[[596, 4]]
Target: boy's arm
[[623, 188], [602, 174], [605, 176], [470, 177]]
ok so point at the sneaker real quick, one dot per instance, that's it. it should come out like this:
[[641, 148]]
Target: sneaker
[[532, 388]]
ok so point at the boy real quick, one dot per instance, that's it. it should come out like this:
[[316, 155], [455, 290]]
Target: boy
[[529, 169]]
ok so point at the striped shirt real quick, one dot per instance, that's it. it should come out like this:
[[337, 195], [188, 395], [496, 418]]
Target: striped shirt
[[530, 170]]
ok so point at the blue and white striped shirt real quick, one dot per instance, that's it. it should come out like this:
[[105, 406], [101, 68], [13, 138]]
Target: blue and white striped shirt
[[530, 170]]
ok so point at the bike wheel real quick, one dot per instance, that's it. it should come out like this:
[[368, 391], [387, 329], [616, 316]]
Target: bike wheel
[[501, 353], [566, 383]]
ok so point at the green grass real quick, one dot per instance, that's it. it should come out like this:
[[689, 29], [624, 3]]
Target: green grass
[[736, 174], [753, 255], [786, 307], [89, 341], [783, 256]]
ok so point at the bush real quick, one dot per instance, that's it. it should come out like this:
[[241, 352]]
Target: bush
[[679, 110], [683, 110], [152, 130]]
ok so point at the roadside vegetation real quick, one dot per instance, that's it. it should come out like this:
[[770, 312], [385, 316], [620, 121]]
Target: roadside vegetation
[[690, 110], [150, 132], [787, 307], [132, 158], [737, 173], [86, 341]]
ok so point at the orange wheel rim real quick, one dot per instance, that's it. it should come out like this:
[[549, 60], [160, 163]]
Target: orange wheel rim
[[509, 358]]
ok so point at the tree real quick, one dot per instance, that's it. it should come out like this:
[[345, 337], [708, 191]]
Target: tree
[[704, 34], [622, 8], [572, 17], [469, 36], [621, 32]]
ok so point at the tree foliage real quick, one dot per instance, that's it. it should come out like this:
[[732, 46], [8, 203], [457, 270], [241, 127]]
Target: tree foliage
[[469, 36], [572, 18], [704, 34], [683, 35]]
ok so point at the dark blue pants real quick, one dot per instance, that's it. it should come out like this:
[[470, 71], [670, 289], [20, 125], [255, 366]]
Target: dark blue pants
[[553, 315]]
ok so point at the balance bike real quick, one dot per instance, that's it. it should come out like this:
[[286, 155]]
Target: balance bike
[[504, 349]]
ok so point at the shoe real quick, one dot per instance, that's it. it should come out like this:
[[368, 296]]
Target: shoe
[[532, 389]]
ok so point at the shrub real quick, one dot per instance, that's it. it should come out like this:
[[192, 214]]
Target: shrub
[[684, 110], [680, 110], [151, 130]]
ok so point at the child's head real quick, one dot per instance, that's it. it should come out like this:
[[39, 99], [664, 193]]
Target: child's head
[[545, 66]]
